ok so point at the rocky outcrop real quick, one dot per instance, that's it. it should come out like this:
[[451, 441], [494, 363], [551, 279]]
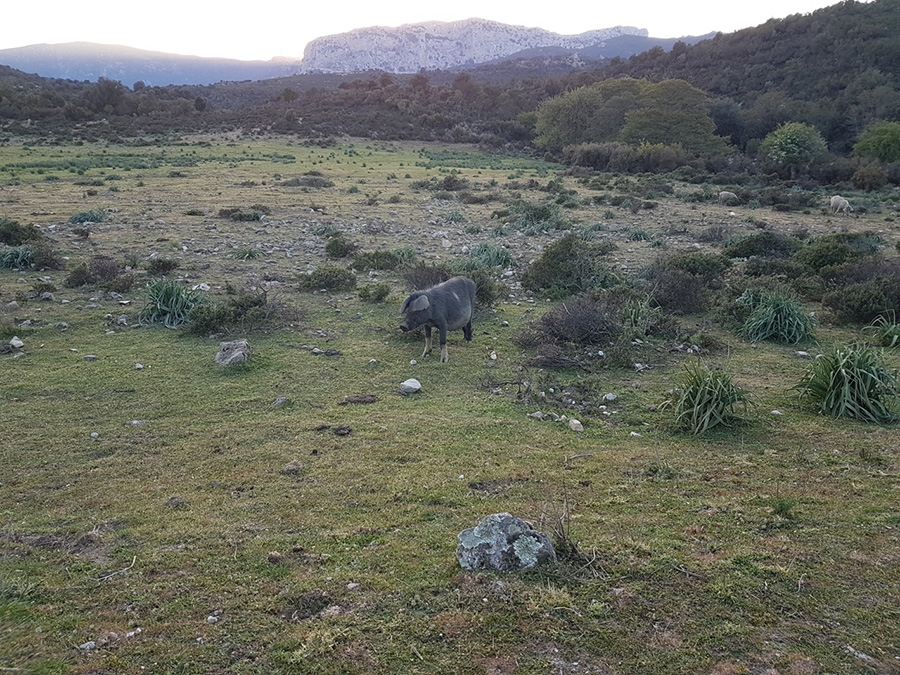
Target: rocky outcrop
[[436, 45]]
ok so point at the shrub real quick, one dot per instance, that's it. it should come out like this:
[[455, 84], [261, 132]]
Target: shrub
[[488, 290], [774, 267], [585, 320], [535, 218], [422, 276], [206, 318], [338, 246], [706, 266], [376, 293], [78, 276], [13, 234], [169, 303], [328, 277], [161, 266], [774, 316], [566, 267], [764, 244], [104, 269], [852, 382], [375, 260], [251, 213], [821, 253], [862, 303], [705, 398]]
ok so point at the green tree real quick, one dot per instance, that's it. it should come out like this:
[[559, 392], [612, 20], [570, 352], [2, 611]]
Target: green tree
[[880, 141], [793, 145], [591, 114]]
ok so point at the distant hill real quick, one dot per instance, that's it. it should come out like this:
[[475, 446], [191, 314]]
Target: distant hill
[[407, 49], [90, 61]]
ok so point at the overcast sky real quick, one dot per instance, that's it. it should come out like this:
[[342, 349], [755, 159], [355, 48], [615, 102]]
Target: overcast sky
[[265, 29]]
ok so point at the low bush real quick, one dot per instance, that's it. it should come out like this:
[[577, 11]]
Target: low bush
[[774, 267], [374, 293], [566, 267], [764, 244], [338, 246], [206, 318], [862, 303], [375, 260], [330, 278], [852, 381], [422, 276], [585, 320], [777, 317], [705, 398], [13, 234], [158, 267]]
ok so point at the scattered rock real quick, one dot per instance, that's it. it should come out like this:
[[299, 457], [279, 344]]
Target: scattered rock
[[609, 398], [503, 542], [212, 619], [410, 386], [12, 305], [176, 502], [95, 435], [90, 357], [16, 343], [575, 425], [777, 412], [281, 400], [353, 586], [61, 325], [233, 352], [88, 646], [138, 366], [537, 415], [292, 468], [342, 430], [802, 355]]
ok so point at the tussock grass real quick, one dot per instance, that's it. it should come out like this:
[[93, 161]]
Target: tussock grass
[[775, 316], [705, 398], [852, 381]]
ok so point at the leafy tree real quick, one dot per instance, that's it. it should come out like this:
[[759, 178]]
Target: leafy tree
[[880, 141], [793, 145]]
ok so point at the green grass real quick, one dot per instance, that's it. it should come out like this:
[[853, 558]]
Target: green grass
[[759, 547]]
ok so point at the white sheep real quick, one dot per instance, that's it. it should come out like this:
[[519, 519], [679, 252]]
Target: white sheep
[[726, 197], [840, 205]]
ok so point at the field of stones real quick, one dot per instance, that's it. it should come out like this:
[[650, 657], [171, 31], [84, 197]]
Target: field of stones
[[298, 513]]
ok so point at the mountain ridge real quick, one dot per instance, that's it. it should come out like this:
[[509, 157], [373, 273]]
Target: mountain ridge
[[410, 48]]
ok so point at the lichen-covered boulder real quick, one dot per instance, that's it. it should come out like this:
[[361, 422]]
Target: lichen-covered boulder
[[233, 352], [503, 542]]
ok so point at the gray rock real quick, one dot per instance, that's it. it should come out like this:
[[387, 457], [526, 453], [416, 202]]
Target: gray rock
[[16, 343], [90, 357], [609, 398], [503, 542], [410, 386], [233, 352]]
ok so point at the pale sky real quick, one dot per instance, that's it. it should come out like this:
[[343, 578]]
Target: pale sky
[[265, 29]]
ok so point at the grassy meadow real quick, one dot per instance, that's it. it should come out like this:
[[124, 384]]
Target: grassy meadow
[[161, 514]]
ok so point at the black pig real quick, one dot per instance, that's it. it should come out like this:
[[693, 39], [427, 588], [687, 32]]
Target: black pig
[[447, 306]]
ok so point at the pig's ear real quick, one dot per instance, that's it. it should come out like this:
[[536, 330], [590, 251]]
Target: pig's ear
[[419, 304]]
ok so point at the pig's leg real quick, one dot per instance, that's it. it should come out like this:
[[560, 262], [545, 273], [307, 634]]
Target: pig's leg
[[444, 355], [427, 342], [467, 331]]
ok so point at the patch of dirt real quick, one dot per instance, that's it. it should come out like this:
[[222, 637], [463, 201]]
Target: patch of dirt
[[306, 606]]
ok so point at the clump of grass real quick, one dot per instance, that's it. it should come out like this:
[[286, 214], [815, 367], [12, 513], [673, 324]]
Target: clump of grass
[[328, 277], [852, 381], [244, 254], [169, 303], [239, 308], [775, 316], [483, 256], [566, 267], [338, 246], [705, 399], [16, 257], [886, 329], [534, 219], [92, 216]]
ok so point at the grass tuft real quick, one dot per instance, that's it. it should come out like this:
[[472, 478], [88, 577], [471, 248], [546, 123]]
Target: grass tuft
[[705, 399]]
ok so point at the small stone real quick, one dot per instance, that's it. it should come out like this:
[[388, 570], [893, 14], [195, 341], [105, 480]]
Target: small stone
[[95, 435], [292, 468], [61, 325], [413, 362], [777, 412], [90, 357], [353, 586], [343, 430], [138, 366], [575, 425], [138, 423], [802, 355], [88, 646], [410, 386], [636, 434], [537, 415], [176, 502], [609, 398], [212, 619], [16, 343], [12, 305]]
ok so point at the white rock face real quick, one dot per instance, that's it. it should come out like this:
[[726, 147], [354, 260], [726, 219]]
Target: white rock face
[[436, 45]]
